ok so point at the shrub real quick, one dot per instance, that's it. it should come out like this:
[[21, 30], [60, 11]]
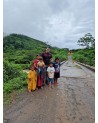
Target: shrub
[[10, 71], [15, 83], [86, 56]]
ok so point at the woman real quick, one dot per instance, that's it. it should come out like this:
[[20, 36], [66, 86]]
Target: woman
[[47, 56], [40, 72], [35, 62]]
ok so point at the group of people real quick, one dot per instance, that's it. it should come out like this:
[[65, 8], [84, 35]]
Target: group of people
[[43, 71]]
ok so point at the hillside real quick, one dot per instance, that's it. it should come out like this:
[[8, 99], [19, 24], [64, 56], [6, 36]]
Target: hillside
[[22, 42], [21, 49], [19, 52]]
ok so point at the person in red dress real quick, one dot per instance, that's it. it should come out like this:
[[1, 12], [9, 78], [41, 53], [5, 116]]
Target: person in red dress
[[35, 62]]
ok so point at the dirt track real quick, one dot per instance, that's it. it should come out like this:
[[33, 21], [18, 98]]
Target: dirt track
[[72, 101]]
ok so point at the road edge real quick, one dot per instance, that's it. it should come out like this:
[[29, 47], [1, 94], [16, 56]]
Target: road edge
[[87, 66]]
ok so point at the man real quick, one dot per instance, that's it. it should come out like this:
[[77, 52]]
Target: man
[[47, 56]]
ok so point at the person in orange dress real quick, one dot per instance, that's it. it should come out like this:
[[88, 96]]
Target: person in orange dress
[[32, 79]]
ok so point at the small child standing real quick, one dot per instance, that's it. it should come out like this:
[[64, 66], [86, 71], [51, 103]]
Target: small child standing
[[32, 79], [57, 71], [51, 71]]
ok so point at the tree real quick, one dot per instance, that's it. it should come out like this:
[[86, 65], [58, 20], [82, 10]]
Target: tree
[[88, 41]]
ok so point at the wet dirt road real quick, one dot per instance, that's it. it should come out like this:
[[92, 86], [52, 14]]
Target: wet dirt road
[[72, 101]]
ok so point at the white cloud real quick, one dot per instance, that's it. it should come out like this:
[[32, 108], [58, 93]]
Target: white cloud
[[61, 23]]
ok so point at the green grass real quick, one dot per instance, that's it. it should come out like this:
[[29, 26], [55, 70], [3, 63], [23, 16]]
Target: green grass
[[14, 86], [15, 83], [86, 56]]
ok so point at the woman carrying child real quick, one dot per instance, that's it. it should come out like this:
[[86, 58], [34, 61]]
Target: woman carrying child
[[35, 62], [40, 72]]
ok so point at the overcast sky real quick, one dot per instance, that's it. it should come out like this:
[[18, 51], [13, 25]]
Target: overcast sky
[[59, 22]]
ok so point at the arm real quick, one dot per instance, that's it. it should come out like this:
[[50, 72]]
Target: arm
[[36, 65], [48, 72], [54, 70]]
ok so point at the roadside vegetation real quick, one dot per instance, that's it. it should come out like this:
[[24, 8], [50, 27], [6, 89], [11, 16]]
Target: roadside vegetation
[[86, 55], [19, 52]]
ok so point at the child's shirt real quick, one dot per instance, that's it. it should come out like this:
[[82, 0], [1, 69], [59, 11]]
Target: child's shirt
[[51, 71], [57, 67]]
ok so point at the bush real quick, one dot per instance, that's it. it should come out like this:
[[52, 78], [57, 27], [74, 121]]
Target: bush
[[10, 71], [61, 54], [25, 66], [86, 56], [15, 83]]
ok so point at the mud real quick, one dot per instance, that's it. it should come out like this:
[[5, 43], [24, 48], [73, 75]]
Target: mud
[[71, 101]]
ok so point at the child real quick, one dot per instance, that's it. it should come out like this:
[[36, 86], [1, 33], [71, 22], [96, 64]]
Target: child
[[51, 71], [32, 79], [57, 70], [41, 66]]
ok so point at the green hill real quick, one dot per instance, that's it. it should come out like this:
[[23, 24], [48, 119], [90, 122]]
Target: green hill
[[19, 52], [22, 49], [21, 42]]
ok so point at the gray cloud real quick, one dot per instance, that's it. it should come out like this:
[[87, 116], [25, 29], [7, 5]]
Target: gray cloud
[[61, 23]]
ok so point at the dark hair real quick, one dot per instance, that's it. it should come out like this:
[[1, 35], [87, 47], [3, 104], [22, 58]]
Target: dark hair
[[50, 63], [56, 58], [31, 67], [41, 58], [37, 55]]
